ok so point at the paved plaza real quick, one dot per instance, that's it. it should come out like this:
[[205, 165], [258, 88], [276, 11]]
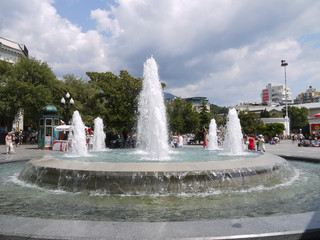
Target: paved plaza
[[295, 226], [285, 149]]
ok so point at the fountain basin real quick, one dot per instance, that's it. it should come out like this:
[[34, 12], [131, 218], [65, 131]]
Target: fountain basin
[[154, 177]]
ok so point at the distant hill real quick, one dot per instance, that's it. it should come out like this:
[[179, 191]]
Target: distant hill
[[169, 95]]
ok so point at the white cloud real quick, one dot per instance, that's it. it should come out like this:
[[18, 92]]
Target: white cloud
[[54, 39]]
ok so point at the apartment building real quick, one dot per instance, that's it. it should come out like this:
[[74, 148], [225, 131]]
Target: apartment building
[[275, 94], [311, 95]]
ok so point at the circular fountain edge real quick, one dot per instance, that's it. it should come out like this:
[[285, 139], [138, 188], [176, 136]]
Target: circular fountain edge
[[264, 161], [155, 177]]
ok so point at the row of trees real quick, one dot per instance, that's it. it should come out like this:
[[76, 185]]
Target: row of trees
[[251, 122], [31, 85]]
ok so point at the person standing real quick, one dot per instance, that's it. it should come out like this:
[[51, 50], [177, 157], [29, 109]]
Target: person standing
[[180, 141], [9, 144], [20, 138], [251, 143], [90, 140], [205, 137], [261, 143]]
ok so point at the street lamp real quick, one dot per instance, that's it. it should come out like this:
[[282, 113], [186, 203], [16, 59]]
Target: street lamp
[[67, 104], [285, 64]]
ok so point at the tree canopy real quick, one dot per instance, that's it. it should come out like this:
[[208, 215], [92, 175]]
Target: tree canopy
[[271, 129], [249, 121], [182, 117], [120, 97], [298, 117], [265, 114], [29, 85]]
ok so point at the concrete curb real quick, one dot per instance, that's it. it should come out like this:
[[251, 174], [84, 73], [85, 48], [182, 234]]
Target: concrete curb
[[295, 226]]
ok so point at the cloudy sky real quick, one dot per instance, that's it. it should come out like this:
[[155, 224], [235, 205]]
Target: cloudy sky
[[225, 50]]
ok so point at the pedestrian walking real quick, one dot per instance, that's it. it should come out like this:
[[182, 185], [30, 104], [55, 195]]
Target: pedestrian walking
[[9, 143], [261, 146]]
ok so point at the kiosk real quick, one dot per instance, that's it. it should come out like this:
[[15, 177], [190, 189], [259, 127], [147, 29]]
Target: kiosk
[[47, 124]]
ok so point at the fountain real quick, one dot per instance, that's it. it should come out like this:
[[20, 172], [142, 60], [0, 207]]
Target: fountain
[[212, 137], [152, 123], [99, 136], [156, 171], [77, 136], [186, 184], [233, 143]]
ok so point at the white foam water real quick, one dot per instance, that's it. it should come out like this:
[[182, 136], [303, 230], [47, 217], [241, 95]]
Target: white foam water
[[77, 136], [152, 122], [212, 137], [233, 143], [98, 135]]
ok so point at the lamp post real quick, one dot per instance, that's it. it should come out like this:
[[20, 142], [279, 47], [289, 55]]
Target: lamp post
[[285, 64], [67, 104]]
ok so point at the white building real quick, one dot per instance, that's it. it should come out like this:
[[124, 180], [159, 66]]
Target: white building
[[285, 121], [11, 51], [313, 108], [275, 93], [197, 102]]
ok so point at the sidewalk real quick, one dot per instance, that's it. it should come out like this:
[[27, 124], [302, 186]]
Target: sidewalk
[[24, 152], [291, 151]]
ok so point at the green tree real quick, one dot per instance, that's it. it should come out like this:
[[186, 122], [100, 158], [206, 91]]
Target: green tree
[[182, 117], [249, 121], [28, 84], [120, 97], [298, 117], [216, 110], [175, 118], [271, 129], [204, 115], [275, 115], [219, 114], [205, 119], [265, 114], [85, 98]]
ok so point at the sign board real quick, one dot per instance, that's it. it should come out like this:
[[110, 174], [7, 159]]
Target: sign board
[[315, 127], [47, 142]]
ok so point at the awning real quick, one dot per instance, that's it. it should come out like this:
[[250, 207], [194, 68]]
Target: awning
[[63, 128]]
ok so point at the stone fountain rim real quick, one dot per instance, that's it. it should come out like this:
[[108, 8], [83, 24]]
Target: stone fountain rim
[[265, 161]]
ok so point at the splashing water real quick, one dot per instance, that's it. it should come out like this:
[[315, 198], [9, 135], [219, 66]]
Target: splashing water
[[234, 138], [78, 136], [212, 137], [152, 122], [98, 136]]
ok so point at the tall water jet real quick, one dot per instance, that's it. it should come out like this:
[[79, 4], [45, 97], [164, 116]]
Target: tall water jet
[[152, 123], [212, 137], [78, 136], [98, 135], [234, 139]]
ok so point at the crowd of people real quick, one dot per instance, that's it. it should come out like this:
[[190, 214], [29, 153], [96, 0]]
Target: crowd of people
[[177, 140], [15, 139], [311, 141]]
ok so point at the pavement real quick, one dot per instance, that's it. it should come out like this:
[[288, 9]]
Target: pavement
[[22, 153], [294, 226], [285, 149]]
